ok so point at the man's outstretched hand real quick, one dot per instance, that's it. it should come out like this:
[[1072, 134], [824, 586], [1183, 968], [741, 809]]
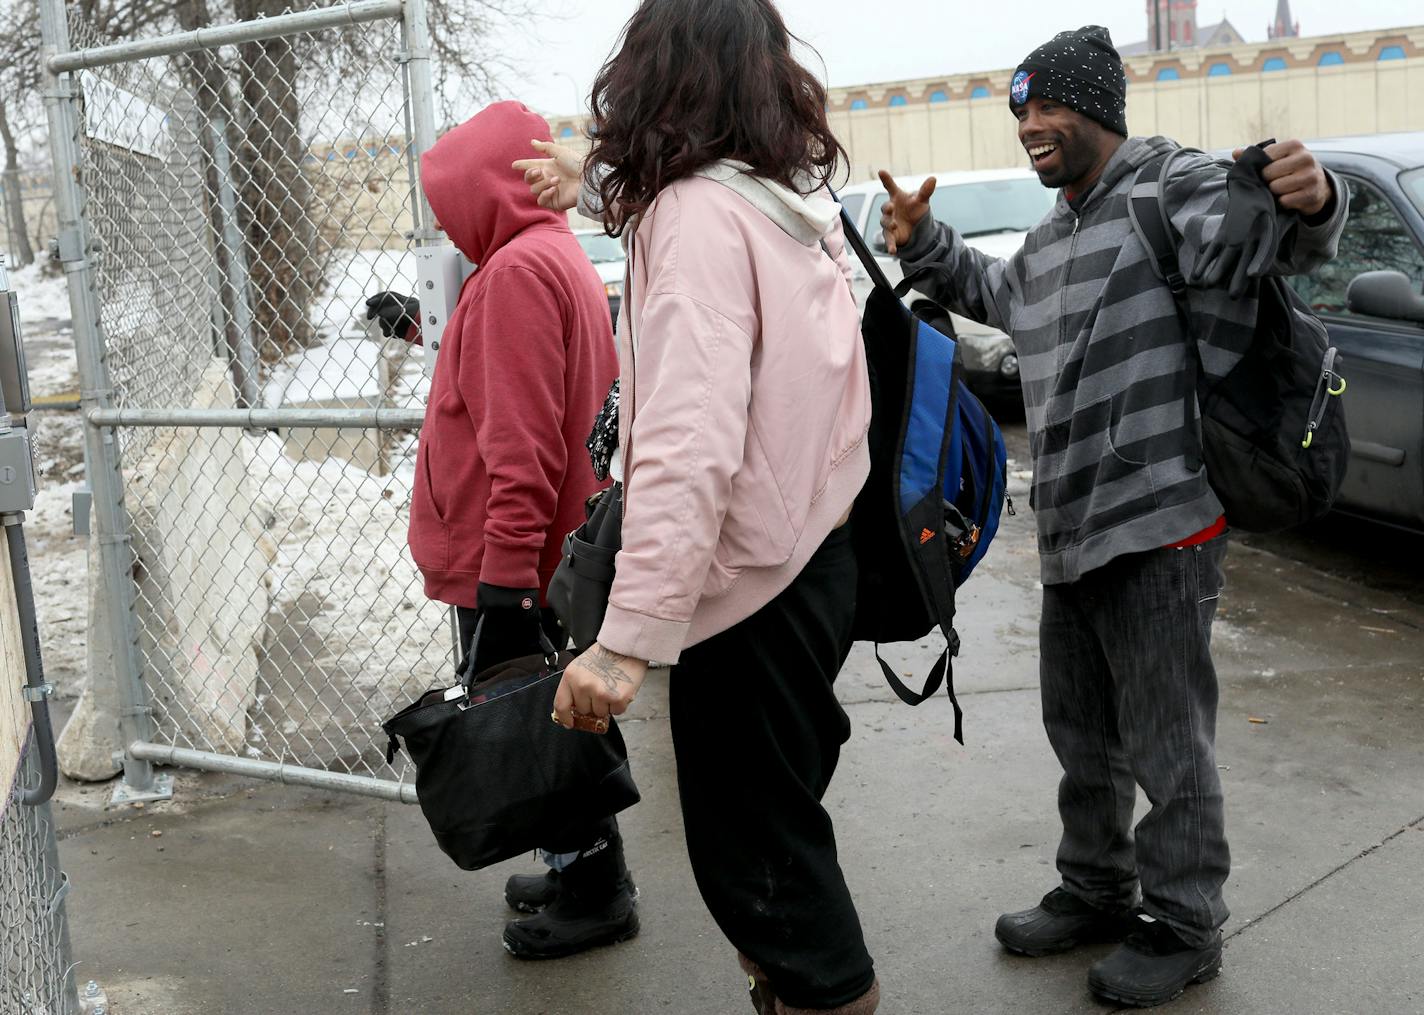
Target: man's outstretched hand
[[1295, 177], [900, 214]]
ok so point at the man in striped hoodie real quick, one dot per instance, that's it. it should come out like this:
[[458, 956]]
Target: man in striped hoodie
[[1131, 536]]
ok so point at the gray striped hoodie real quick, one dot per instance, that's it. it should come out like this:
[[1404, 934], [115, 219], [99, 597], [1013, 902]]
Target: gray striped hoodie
[[1102, 353]]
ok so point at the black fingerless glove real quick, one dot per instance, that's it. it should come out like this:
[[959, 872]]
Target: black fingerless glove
[[508, 626]]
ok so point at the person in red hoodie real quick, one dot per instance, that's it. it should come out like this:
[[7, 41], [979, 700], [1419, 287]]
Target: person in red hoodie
[[502, 472]]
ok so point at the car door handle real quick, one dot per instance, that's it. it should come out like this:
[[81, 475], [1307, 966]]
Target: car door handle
[[1370, 451]]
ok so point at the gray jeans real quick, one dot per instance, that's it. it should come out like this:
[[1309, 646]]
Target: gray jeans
[[1129, 699]]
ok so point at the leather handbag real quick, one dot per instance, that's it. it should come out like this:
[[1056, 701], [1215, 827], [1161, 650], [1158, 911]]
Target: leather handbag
[[581, 584], [496, 777], [579, 589]]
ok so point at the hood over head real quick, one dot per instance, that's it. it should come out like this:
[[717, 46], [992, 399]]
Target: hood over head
[[478, 200]]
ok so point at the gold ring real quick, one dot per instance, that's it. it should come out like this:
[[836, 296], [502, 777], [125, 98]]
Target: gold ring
[[554, 716]]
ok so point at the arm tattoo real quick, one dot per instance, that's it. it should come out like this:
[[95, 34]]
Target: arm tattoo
[[605, 665]]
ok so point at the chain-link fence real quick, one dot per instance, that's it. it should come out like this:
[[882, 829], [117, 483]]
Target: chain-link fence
[[36, 977], [244, 189]]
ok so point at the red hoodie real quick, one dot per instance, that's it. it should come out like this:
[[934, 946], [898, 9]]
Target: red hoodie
[[526, 360]]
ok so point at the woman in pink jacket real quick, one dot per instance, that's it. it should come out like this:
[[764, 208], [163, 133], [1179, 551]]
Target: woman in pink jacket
[[742, 424]]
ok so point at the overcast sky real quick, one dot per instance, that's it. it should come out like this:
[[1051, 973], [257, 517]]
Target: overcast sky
[[864, 41]]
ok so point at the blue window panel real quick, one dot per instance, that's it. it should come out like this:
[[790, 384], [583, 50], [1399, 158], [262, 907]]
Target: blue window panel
[[1219, 70], [899, 100], [1392, 53], [858, 104], [980, 92], [1330, 58], [1274, 63], [1168, 74], [566, 132], [938, 95]]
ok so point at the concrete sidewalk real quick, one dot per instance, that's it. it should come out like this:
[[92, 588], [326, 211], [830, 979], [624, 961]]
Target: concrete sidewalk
[[258, 898]]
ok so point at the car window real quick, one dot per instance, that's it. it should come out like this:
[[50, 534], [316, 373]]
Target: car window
[[1413, 184], [601, 248], [852, 203], [1374, 240], [992, 206]]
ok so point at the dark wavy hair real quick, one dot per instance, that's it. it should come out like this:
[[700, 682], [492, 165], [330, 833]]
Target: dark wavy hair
[[696, 81]]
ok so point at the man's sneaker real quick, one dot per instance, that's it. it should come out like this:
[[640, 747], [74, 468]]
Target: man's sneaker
[[1060, 922], [1153, 966], [572, 924], [530, 893]]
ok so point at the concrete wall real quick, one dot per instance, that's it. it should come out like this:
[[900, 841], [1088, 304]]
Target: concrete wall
[[201, 603]]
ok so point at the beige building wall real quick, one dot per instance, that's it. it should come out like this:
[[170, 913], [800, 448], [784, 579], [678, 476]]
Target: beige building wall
[[902, 130], [1360, 95]]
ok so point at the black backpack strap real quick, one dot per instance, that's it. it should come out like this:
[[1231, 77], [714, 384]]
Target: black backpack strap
[[1147, 210], [862, 250], [942, 668]]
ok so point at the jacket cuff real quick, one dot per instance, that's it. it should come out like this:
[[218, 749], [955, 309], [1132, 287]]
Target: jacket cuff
[[922, 239], [1338, 206], [640, 636], [513, 567]]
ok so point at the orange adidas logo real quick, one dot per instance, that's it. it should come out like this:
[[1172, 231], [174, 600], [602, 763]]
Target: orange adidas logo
[[925, 536]]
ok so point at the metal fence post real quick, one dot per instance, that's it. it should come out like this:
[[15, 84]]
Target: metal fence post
[[420, 99], [236, 261], [101, 450]]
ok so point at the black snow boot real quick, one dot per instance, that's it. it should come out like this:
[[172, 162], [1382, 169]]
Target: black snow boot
[[531, 893], [1060, 922], [1153, 966], [595, 904]]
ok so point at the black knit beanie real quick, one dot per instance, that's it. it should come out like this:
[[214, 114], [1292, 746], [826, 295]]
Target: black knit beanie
[[1079, 69]]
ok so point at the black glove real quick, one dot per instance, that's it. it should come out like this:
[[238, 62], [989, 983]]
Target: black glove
[[394, 312], [1246, 243], [508, 626]]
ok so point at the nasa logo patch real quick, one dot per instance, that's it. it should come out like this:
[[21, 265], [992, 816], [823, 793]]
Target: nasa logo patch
[[1018, 91]]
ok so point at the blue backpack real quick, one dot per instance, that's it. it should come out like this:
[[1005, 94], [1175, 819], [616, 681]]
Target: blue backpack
[[931, 506]]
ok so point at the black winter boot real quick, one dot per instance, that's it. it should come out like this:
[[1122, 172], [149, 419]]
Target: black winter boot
[[1060, 922], [531, 893], [1153, 966], [594, 905]]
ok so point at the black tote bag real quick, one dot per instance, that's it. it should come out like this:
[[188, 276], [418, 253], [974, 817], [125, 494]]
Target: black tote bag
[[496, 777]]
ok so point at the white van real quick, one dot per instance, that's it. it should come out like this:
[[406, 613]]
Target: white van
[[992, 210]]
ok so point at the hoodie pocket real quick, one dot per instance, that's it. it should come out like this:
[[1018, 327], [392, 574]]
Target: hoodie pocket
[[1083, 471], [429, 536]]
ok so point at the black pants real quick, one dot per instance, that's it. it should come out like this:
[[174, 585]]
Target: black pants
[[757, 731], [577, 841], [1129, 699]]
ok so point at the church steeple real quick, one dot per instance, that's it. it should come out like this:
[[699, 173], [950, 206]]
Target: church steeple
[[1284, 27]]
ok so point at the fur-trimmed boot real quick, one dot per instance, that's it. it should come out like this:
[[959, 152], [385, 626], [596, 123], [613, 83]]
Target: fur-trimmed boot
[[866, 1004]]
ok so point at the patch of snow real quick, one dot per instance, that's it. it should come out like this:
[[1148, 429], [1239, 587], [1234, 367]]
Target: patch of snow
[[42, 297]]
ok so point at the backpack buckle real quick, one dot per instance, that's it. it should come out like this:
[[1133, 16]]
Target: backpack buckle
[[1174, 279]]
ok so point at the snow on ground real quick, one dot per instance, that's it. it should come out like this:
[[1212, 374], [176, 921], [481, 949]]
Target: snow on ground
[[340, 531], [42, 296], [340, 535], [335, 371]]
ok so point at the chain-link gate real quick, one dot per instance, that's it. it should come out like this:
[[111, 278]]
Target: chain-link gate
[[227, 198], [36, 976]]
